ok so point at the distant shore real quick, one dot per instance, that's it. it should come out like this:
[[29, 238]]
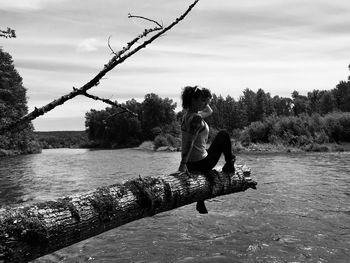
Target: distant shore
[[51, 140]]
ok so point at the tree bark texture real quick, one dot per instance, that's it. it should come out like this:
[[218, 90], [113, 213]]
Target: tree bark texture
[[29, 232]]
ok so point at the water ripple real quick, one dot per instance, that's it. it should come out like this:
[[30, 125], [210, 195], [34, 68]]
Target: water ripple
[[300, 212]]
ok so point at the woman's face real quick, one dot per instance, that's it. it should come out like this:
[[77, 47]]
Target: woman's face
[[200, 103]]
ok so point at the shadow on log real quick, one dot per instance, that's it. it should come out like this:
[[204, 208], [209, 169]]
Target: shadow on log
[[29, 232]]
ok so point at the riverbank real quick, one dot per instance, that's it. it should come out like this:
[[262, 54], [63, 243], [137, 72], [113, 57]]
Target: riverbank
[[150, 146], [4, 153], [261, 147], [237, 147], [280, 148]]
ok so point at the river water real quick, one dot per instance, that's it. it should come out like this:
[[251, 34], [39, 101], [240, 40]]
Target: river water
[[299, 213]]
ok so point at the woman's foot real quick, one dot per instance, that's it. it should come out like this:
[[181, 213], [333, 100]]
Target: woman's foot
[[201, 207], [229, 167]]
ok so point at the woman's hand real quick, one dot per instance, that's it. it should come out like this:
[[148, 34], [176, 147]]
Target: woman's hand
[[207, 111], [183, 169]]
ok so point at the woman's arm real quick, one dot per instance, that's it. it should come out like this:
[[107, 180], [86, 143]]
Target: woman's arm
[[186, 154], [206, 112], [194, 128]]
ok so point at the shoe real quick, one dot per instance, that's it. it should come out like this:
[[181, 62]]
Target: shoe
[[200, 207], [229, 167]]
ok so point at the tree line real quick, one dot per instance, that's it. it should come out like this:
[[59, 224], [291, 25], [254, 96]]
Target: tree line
[[158, 121], [257, 106]]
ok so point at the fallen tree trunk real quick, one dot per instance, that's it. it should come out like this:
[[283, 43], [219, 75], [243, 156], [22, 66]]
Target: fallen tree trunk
[[28, 232]]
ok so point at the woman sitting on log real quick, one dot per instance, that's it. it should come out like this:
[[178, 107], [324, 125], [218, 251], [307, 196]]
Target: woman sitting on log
[[195, 131]]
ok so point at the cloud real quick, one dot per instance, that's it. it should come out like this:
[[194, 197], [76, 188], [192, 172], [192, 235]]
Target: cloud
[[297, 18], [55, 65], [79, 66], [88, 45], [26, 5]]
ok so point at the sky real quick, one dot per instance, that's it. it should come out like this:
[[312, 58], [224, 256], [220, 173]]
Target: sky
[[227, 46]]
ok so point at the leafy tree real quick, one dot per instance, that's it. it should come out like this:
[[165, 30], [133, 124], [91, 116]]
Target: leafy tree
[[300, 103], [134, 106], [121, 129], [326, 103], [217, 118], [231, 115], [282, 106], [13, 105], [242, 114], [249, 104], [342, 96], [111, 128], [156, 112], [261, 105], [95, 125], [314, 98], [226, 113], [270, 110]]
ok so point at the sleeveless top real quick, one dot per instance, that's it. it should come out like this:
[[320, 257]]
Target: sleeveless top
[[199, 151]]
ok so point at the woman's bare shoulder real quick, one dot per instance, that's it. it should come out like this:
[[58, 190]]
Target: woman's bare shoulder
[[195, 123]]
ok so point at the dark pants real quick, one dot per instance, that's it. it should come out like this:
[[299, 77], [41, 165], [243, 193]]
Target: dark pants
[[221, 144]]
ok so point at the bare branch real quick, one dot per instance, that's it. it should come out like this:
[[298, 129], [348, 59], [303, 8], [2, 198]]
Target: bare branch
[[119, 58], [145, 18], [110, 103]]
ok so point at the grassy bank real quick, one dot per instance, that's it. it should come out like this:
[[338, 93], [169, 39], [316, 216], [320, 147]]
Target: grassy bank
[[306, 133], [276, 148]]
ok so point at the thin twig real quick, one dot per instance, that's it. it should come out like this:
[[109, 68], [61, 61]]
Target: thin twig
[[144, 34], [145, 18], [113, 52], [110, 103], [112, 115]]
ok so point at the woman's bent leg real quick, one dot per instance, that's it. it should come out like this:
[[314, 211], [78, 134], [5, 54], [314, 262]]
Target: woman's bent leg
[[221, 144]]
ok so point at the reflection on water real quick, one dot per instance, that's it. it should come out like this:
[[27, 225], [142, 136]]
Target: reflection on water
[[56, 173], [14, 179], [300, 212]]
